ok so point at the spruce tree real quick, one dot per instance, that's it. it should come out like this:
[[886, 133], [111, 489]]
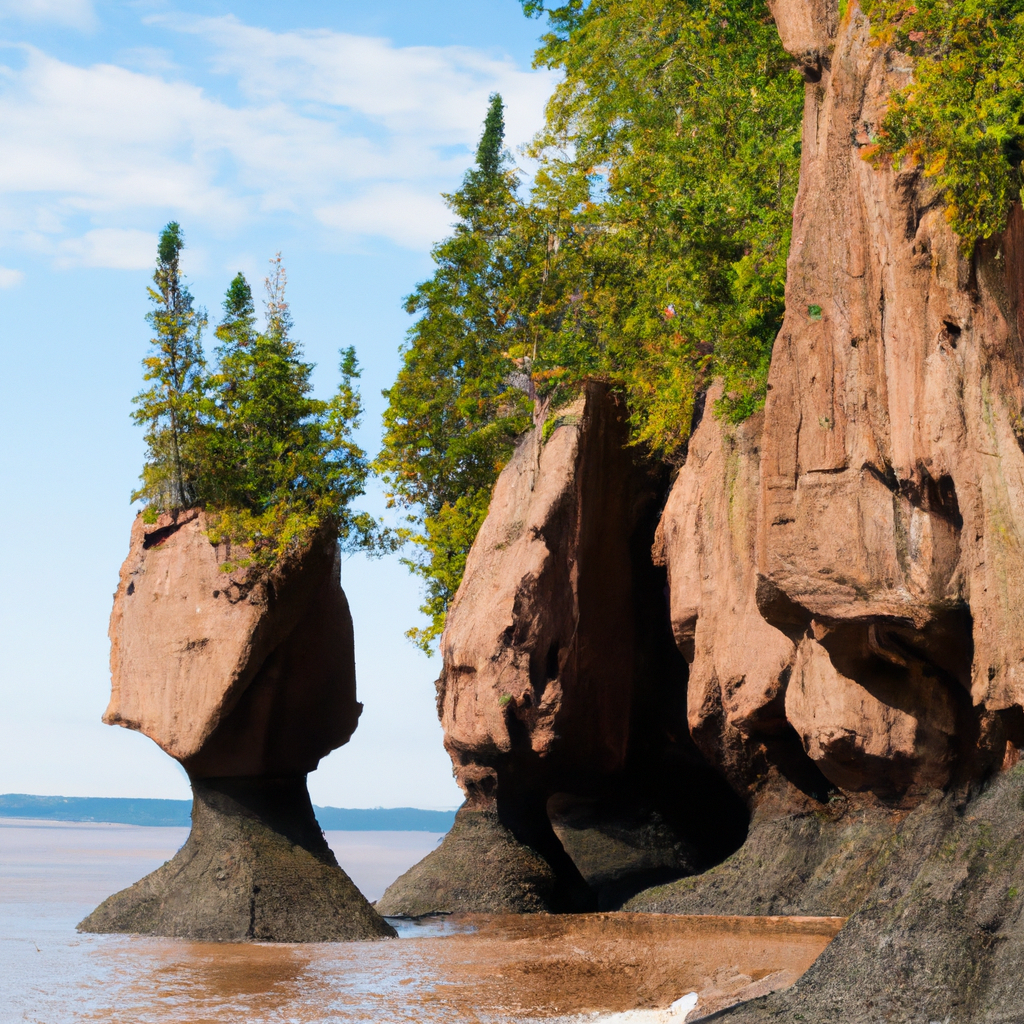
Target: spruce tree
[[171, 407], [248, 443], [452, 419], [283, 463], [489, 152]]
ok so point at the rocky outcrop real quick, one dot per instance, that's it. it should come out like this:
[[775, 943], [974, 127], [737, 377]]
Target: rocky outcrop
[[891, 508], [845, 583], [231, 675], [879, 516], [562, 696], [847, 571], [247, 680], [739, 664]]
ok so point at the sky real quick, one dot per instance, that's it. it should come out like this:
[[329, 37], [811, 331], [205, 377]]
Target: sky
[[323, 130]]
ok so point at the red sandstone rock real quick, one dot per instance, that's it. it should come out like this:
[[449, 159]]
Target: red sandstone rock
[[231, 676], [874, 731], [248, 679], [738, 662], [538, 646], [882, 499], [892, 476], [560, 677]]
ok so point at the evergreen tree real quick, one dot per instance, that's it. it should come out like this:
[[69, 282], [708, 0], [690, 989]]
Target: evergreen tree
[[248, 443], [452, 418], [171, 408], [489, 152], [651, 253]]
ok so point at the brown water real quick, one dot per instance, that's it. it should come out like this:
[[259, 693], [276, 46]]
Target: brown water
[[468, 969]]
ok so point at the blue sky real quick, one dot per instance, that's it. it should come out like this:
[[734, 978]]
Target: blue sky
[[324, 130]]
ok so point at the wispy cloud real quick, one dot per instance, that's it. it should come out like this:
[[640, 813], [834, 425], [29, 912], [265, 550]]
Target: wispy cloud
[[10, 278], [332, 130], [118, 248], [422, 91], [73, 13]]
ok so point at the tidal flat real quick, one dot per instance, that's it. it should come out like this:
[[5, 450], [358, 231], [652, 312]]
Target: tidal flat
[[486, 968]]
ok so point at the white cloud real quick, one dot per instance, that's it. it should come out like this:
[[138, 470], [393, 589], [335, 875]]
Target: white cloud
[[333, 130], [73, 13], [117, 248], [10, 278], [440, 92], [395, 212]]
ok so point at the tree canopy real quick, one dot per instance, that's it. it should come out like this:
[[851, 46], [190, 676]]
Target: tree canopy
[[650, 251], [246, 440]]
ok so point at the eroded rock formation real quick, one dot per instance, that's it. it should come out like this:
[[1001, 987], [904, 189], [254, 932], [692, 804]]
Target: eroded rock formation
[[561, 685], [845, 582], [884, 553], [247, 680]]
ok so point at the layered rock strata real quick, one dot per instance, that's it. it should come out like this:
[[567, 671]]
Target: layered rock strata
[[247, 680], [562, 696]]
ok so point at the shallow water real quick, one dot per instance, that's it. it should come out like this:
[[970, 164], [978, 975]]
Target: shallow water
[[468, 969]]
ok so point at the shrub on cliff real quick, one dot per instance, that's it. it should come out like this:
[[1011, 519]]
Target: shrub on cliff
[[246, 441], [960, 119]]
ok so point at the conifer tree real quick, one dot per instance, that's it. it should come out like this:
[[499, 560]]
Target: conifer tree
[[170, 408], [248, 443], [489, 152], [283, 463], [452, 419], [651, 253]]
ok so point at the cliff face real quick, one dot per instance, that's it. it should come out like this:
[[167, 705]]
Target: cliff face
[[891, 475], [247, 680], [847, 572], [848, 576], [844, 581]]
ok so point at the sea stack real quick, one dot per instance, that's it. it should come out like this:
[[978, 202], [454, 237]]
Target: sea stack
[[247, 679], [562, 695]]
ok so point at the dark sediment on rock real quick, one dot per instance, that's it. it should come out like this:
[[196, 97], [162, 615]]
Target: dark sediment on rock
[[820, 863], [255, 868], [939, 935], [485, 866]]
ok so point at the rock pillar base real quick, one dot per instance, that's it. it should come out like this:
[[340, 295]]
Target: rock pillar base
[[255, 868], [489, 864]]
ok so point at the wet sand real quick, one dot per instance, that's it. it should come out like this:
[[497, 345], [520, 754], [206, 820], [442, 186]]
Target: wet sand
[[464, 969]]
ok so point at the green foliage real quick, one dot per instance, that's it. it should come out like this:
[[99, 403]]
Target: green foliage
[[269, 462], [452, 419], [650, 252], [489, 152], [674, 138], [960, 118], [170, 408], [445, 542]]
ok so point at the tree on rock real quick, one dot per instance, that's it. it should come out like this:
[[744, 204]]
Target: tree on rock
[[171, 407], [452, 418], [248, 443]]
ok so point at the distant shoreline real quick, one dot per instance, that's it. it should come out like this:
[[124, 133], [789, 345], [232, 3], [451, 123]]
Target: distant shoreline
[[178, 813]]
